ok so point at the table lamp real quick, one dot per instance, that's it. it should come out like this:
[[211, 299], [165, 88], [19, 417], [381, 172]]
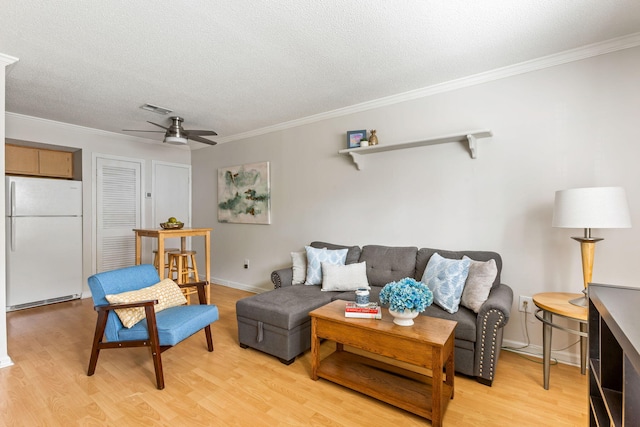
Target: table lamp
[[587, 208]]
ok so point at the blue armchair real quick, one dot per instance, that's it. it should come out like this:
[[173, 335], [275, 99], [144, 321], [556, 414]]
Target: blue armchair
[[158, 331]]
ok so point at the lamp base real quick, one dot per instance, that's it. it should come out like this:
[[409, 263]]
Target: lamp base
[[581, 301]]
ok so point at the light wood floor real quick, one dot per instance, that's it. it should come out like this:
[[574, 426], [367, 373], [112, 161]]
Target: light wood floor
[[48, 385]]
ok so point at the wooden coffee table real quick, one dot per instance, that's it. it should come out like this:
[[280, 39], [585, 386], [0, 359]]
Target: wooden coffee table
[[428, 344]]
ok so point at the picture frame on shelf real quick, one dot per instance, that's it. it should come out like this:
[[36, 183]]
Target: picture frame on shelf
[[354, 137]]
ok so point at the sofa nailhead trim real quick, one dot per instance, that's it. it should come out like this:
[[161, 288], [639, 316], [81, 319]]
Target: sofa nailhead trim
[[493, 341]]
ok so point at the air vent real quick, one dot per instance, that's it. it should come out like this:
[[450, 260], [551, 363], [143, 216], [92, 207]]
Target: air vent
[[156, 109]]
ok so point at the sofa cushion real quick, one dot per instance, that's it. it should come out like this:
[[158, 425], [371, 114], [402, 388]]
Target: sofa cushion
[[478, 285], [446, 278], [388, 263], [466, 327], [425, 253], [315, 258], [344, 277], [286, 307]]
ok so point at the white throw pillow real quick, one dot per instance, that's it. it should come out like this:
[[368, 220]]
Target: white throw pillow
[[479, 282], [299, 261], [344, 277], [317, 256]]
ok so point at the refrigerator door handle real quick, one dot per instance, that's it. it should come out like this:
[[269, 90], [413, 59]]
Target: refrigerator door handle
[[13, 234], [13, 198]]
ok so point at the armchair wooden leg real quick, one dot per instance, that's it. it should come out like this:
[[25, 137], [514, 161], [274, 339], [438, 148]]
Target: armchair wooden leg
[[97, 340], [207, 333], [155, 346]]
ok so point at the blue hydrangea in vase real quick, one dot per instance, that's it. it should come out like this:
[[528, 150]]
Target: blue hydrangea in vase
[[407, 298]]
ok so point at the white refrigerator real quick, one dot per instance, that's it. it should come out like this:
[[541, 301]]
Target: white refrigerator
[[44, 241]]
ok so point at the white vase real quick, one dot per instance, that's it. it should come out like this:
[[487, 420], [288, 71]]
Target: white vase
[[404, 318]]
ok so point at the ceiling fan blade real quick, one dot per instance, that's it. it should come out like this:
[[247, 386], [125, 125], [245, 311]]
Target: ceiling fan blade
[[160, 126], [138, 130], [203, 140], [200, 132]]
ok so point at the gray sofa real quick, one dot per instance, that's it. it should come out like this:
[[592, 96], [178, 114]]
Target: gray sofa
[[277, 322]]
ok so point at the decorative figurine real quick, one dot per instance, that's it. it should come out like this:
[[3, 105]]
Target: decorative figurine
[[373, 139]]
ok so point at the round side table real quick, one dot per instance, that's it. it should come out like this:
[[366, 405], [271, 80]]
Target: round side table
[[557, 303]]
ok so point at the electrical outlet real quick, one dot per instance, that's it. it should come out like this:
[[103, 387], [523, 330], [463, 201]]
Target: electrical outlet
[[526, 304], [246, 263]]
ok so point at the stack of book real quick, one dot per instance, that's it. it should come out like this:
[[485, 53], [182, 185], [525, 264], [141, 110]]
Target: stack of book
[[370, 311]]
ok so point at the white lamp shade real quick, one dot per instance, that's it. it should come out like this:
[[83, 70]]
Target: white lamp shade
[[596, 207]]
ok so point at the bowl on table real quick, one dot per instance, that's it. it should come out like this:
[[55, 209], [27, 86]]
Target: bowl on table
[[171, 225]]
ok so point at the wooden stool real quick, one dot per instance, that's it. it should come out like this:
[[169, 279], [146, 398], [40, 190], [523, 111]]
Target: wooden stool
[[179, 264], [156, 261]]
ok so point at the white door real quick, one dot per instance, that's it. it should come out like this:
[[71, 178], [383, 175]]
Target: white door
[[171, 196], [118, 212]]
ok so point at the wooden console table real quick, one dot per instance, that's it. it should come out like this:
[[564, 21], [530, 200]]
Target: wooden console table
[[426, 344], [160, 234]]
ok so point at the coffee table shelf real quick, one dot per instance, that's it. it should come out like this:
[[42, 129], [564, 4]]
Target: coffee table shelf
[[396, 386]]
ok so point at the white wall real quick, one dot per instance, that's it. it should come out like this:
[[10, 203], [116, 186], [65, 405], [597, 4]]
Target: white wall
[[567, 126], [93, 142]]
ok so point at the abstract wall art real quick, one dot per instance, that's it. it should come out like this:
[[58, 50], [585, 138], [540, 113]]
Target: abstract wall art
[[244, 194]]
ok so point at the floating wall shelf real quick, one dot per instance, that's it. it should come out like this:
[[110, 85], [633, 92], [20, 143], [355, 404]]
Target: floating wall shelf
[[357, 154]]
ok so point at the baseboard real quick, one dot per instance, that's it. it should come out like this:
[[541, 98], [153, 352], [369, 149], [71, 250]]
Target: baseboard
[[564, 356], [236, 285], [5, 362]]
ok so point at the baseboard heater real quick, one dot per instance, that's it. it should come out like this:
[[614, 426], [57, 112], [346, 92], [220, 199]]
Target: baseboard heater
[[43, 302]]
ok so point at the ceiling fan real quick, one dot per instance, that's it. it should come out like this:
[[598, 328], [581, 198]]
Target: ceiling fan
[[177, 135]]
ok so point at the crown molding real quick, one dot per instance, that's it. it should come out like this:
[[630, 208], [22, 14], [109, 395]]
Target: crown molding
[[584, 52]]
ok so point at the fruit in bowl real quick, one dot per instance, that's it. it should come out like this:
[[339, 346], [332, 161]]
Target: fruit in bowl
[[172, 223]]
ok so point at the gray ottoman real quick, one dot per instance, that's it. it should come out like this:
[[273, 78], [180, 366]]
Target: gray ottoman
[[277, 322]]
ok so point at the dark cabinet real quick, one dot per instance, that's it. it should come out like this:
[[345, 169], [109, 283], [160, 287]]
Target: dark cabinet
[[614, 340]]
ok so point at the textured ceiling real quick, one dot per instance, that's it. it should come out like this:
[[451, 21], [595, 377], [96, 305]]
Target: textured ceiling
[[237, 66]]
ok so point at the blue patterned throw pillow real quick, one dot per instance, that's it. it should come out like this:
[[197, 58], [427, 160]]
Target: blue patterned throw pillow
[[315, 258], [446, 277]]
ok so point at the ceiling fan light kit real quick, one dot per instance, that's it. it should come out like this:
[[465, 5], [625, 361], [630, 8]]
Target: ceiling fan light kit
[[175, 140]]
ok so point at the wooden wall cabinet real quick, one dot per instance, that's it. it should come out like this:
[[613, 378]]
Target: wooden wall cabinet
[[38, 162], [614, 341]]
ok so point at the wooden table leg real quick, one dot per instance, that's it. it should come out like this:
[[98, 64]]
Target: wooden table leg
[[138, 249], [450, 372], [315, 350], [207, 263], [436, 387], [161, 265]]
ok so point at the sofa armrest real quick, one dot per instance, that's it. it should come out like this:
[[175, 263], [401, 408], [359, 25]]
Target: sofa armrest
[[500, 299], [282, 277], [492, 317]]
